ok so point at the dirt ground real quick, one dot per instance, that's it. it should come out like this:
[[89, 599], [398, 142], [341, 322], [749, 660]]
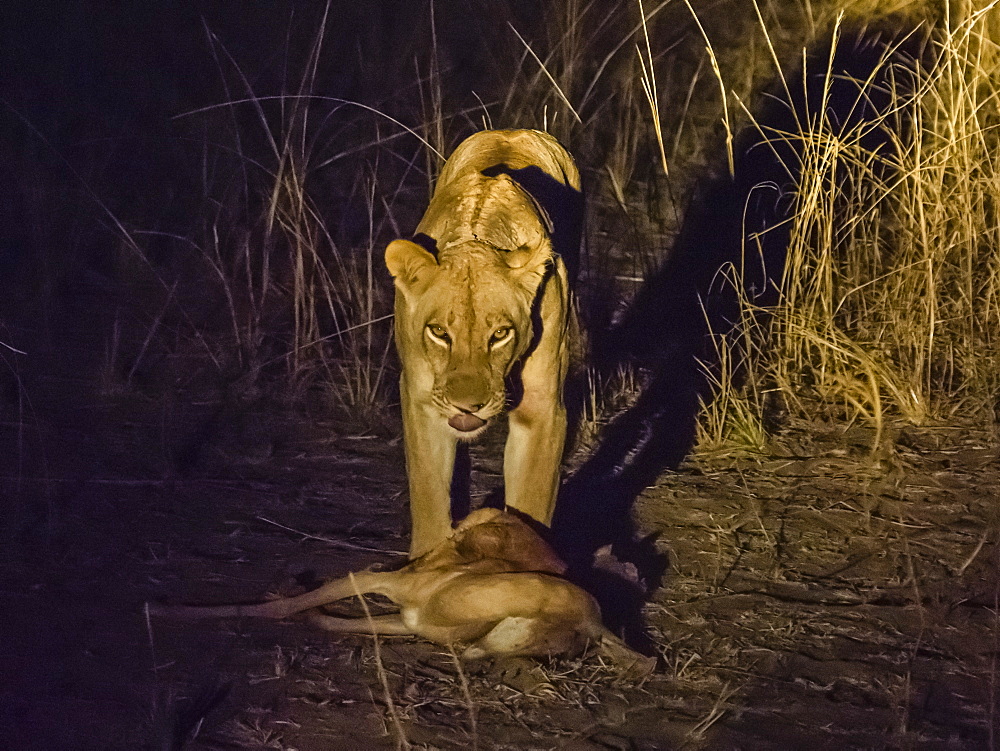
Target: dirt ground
[[820, 597], [826, 595]]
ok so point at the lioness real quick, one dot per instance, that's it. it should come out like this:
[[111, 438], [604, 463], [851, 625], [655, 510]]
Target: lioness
[[493, 584], [483, 320]]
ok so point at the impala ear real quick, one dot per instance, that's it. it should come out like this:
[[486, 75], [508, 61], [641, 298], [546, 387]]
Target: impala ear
[[407, 261]]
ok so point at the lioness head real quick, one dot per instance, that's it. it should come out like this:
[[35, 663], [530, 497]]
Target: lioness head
[[463, 319]]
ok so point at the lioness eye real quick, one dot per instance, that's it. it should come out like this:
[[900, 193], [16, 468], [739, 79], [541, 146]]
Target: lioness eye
[[501, 336], [438, 334]]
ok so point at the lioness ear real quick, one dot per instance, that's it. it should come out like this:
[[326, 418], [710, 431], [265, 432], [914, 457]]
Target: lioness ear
[[406, 260], [518, 259]]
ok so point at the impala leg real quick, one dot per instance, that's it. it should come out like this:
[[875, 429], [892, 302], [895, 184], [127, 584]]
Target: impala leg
[[354, 584], [389, 625]]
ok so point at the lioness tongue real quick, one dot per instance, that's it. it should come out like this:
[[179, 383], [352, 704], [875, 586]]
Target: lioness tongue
[[466, 423]]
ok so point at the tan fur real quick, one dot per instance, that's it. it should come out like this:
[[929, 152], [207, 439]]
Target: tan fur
[[490, 304], [493, 585]]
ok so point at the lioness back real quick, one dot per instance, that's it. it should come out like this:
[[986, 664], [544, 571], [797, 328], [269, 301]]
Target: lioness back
[[516, 149]]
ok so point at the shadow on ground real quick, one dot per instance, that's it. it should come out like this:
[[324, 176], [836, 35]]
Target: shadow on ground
[[731, 246]]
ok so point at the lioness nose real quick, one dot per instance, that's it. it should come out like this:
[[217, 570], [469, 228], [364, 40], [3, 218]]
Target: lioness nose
[[465, 392], [466, 405]]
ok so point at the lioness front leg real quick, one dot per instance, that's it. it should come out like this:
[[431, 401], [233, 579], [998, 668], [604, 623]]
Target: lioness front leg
[[430, 462], [532, 458], [537, 434]]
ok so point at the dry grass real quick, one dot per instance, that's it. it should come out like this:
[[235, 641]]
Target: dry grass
[[888, 301], [282, 267]]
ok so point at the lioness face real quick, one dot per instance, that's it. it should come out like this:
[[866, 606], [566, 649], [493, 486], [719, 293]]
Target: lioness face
[[470, 317]]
